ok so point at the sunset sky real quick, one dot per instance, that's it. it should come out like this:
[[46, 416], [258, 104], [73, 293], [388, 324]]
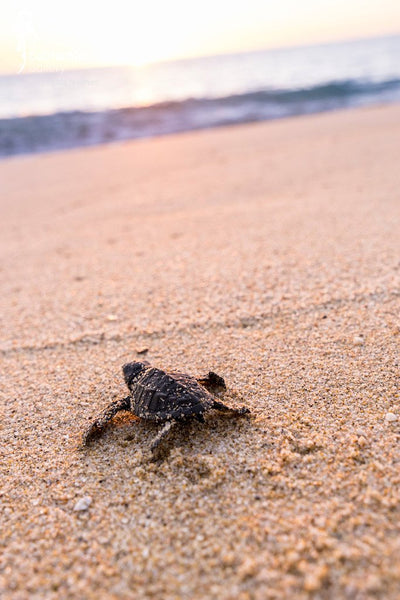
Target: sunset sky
[[42, 35]]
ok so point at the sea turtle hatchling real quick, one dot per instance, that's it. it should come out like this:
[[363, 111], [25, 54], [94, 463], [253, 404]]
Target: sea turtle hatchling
[[164, 397]]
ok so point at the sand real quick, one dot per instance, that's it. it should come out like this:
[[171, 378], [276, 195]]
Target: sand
[[268, 253]]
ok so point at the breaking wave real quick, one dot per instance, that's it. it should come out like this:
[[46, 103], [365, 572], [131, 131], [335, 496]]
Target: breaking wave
[[78, 128]]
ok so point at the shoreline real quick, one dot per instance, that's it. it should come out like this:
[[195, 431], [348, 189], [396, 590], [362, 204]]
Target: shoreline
[[97, 125]]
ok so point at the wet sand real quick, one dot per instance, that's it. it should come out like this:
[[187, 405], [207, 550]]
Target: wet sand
[[268, 253]]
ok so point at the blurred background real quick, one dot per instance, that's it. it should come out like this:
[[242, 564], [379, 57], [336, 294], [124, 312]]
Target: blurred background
[[76, 74]]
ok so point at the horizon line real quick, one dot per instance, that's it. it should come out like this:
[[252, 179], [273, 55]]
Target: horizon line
[[352, 39]]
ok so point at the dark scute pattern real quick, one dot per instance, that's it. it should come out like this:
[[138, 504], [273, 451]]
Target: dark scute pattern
[[158, 396]]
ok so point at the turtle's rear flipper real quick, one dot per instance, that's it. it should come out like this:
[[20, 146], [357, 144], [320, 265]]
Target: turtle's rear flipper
[[164, 431], [213, 382], [98, 425], [236, 411]]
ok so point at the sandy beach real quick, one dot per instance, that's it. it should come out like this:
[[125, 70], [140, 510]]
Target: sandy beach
[[268, 253]]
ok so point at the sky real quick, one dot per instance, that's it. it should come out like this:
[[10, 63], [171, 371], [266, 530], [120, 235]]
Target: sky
[[44, 35]]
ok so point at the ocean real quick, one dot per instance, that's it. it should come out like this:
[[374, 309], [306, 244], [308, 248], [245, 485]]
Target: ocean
[[41, 112]]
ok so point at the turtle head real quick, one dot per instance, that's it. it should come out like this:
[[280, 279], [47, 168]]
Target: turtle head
[[132, 371]]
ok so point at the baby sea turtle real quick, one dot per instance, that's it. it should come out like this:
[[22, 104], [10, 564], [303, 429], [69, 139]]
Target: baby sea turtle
[[164, 397]]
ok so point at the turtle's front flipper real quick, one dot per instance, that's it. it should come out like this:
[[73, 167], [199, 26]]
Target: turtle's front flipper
[[98, 425], [213, 382], [164, 431], [236, 411]]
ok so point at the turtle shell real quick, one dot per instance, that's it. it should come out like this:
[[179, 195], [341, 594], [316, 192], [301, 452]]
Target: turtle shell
[[159, 396]]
